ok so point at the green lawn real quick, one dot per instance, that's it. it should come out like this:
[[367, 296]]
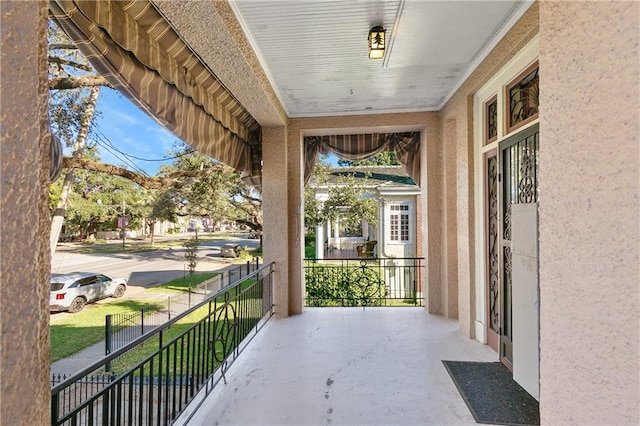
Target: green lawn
[[135, 245], [83, 329], [78, 331], [132, 358], [184, 283]]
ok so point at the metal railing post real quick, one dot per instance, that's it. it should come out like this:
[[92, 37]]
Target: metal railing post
[[107, 340], [141, 322]]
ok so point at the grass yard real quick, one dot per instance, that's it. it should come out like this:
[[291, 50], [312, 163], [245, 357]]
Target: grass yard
[[78, 331], [132, 358], [184, 283], [83, 329], [135, 245]]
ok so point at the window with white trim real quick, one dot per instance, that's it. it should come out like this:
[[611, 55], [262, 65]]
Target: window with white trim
[[399, 223]]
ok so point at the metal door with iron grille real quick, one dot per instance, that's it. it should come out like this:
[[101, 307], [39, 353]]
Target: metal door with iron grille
[[518, 183]]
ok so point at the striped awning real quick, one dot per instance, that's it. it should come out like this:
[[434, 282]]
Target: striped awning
[[406, 146], [134, 47]]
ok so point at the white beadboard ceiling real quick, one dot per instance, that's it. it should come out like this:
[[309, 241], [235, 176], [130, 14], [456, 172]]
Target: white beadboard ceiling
[[315, 52]]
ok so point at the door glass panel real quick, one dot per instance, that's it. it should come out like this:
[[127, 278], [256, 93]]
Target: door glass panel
[[519, 167]]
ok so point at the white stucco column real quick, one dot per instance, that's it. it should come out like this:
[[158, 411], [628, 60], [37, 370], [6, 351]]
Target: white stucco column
[[336, 233], [365, 229], [275, 239], [295, 220], [320, 241]]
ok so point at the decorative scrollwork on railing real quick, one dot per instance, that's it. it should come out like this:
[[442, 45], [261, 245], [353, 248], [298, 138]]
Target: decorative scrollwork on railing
[[367, 282], [366, 285], [224, 331]]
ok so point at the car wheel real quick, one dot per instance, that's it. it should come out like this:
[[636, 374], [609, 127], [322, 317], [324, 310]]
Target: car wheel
[[119, 291], [77, 305]]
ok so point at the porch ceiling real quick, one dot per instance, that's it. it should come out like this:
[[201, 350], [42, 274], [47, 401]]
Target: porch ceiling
[[314, 53]]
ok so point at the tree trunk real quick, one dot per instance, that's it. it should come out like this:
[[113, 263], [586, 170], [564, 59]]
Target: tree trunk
[[67, 187]]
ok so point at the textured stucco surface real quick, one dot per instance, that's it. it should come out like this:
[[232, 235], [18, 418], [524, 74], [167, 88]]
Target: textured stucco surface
[[275, 216], [295, 208], [212, 29], [24, 252], [460, 109], [589, 213], [450, 279]]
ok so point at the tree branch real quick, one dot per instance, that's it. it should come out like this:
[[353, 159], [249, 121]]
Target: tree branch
[[60, 46], [64, 83], [60, 61], [172, 180], [255, 226]]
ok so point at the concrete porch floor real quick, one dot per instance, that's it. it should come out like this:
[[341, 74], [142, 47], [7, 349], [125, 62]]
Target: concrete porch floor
[[345, 366]]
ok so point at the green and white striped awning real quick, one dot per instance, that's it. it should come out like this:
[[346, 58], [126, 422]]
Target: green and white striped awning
[[134, 47]]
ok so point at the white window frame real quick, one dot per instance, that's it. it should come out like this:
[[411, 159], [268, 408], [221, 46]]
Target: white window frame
[[405, 209]]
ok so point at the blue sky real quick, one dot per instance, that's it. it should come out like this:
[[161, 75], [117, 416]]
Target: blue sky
[[130, 131]]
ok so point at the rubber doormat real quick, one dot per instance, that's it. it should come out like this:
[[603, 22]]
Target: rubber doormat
[[492, 395]]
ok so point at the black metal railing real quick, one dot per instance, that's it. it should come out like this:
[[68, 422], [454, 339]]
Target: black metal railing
[[123, 328], [157, 375], [364, 282]]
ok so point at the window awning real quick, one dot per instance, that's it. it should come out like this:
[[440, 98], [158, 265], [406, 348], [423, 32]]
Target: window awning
[[406, 146], [134, 47]]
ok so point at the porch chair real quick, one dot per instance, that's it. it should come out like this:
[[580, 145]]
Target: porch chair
[[366, 249]]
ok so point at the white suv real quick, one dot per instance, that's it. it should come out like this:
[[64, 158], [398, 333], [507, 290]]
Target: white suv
[[70, 292]]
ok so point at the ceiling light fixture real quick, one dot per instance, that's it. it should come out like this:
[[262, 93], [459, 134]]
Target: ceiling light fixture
[[376, 42]]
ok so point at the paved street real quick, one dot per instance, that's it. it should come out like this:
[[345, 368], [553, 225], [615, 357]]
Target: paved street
[[143, 269]]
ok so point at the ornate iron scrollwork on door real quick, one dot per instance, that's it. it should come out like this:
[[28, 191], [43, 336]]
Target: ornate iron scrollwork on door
[[493, 250], [523, 98], [527, 184]]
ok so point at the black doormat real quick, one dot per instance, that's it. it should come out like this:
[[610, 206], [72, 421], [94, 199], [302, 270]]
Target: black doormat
[[492, 395]]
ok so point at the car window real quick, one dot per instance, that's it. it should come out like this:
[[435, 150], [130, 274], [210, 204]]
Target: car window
[[56, 286], [102, 278], [87, 281]]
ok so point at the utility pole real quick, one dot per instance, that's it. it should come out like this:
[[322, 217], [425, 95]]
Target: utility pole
[[124, 223]]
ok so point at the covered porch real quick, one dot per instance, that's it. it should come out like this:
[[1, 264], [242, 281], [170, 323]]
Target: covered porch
[[242, 106], [345, 366]]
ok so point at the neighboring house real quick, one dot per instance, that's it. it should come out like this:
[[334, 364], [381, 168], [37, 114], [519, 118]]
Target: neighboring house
[[393, 236]]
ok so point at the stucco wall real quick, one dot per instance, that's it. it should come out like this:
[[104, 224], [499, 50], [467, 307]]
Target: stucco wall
[[450, 216], [459, 110], [589, 213], [275, 218], [24, 255]]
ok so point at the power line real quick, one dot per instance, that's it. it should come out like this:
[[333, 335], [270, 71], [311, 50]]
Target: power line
[[104, 142], [103, 137]]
